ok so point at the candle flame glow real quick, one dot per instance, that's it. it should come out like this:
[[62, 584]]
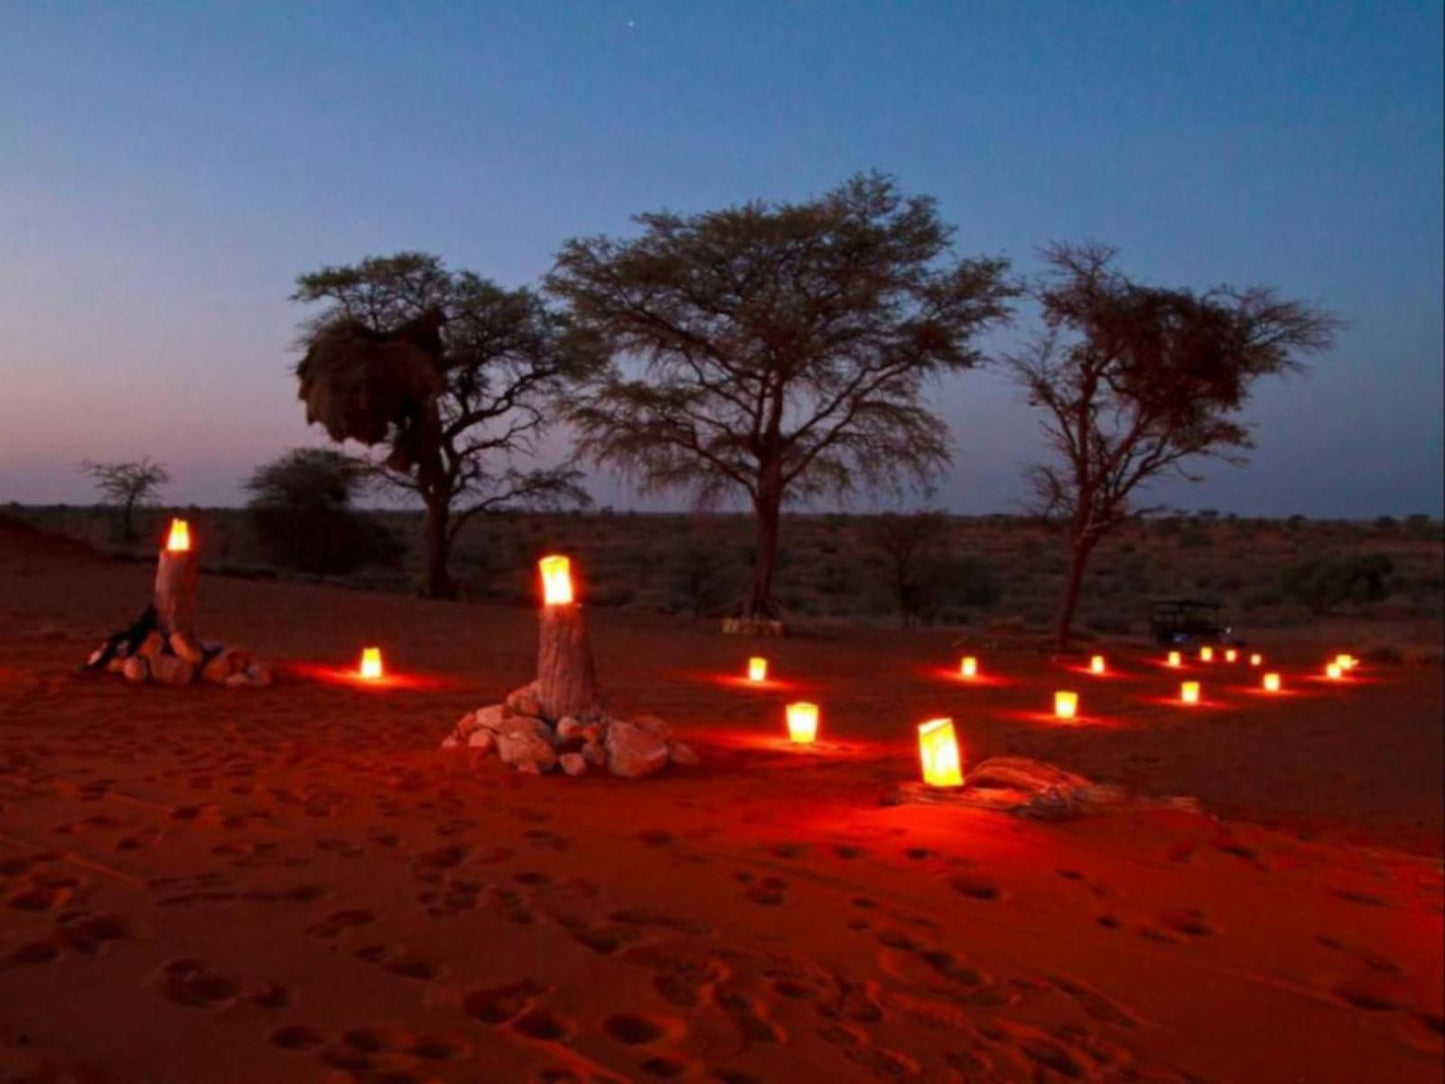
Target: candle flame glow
[[1256, 659], [1066, 704], [1189, 692], [556, 580], [179, 540], [1231, 655], [968, 667], [1206, 654], [1271, 683], [757, 668], [1334, 671], [371, 664], [1175, 659], [938, 752], [1097, 664]]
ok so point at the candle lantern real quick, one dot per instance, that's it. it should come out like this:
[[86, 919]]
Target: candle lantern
[[1230, 655], [1271, 683], [938, 752], [1066, 704], [1256, 659], [556, 580], [757, 668], [1346, 662], [1206, 654], [1189, 692], [968, 667], [1334, 671], [803, 722], [1097, 665], [371, 664], [1176, 659]]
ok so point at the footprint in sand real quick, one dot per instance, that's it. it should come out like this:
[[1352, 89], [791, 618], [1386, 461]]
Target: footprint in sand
[[974, 886], [766, 891], [632, 1029], [190, 982], [1189, 921]]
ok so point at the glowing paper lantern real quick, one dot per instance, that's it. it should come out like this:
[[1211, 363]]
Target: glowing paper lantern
[[1334, 671], [1189, 692], [1206, 654], [803, 722], [556, 580], [1271, 683], [938, 751], [1175, 659], [1345, 662], [179, 540], [968, 667], [757, 668], [1097, 664], [1231, 655], [1256, 659], [371, 663], [1066, 704]]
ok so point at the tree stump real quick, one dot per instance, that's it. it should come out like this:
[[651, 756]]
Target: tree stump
[[177, 572], [566, 676]]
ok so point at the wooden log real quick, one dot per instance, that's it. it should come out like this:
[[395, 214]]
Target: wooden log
[[566, 676], [177, 572]]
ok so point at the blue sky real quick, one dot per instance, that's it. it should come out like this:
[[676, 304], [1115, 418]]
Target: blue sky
[[167, 169]]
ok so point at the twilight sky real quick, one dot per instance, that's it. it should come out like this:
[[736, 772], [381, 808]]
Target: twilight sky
[[166, 170]]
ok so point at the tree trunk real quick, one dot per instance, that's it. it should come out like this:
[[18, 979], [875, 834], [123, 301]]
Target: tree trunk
[[566, 675], [1079, 557], [177, 572], [760, 599], [436, 582]]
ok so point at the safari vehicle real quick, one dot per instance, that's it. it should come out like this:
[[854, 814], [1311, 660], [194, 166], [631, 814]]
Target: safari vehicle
[[1180, 622]]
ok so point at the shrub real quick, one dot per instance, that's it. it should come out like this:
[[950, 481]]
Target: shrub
[[1324, 583]]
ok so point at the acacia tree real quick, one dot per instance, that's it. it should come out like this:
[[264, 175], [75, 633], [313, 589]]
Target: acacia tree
[[1139, 381], [128, 484], [456, 375], [778, 351]]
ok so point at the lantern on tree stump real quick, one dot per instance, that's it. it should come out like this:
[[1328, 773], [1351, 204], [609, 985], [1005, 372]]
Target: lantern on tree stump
[[938, 752], [566, 674], [757, 669], [1189, 692], [371, 669], [802, 722], [968, 667], [1066, 704], [177, 572], [1176, 660], [1097, 665], [1271, 683]]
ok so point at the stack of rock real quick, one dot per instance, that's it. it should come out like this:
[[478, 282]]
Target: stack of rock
[[176, 660], [518, 734]]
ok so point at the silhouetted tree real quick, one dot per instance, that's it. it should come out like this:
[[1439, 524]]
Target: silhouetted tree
[[1324, 583], [128, 484], [301, 509], [1137, 380], [908, 544], [777, 350], [456, 375]]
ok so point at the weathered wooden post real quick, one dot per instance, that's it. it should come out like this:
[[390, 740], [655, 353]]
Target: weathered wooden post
[[177, 573], [566, 675]]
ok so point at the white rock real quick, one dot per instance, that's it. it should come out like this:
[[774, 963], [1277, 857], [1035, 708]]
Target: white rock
[[594, 753], [573, 763], [632, 752], [483, 740], [684, 755], [657, 727], [569, 729], [171, 670], [136, 668], [524, 701], [451, 741], [526, 744], [492, 717]]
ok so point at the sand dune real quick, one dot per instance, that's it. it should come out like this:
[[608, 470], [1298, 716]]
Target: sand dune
[[294, 884]]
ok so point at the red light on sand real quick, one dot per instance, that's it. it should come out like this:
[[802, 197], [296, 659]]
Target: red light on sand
[[179, 540], [968, 667], [556, 580], [1066, 704], [1097, 665], [803, 722], [371, 669], [938, 752], [1189, 692], [757, 668]]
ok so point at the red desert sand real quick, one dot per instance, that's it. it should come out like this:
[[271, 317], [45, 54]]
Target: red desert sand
[[293, 883]]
